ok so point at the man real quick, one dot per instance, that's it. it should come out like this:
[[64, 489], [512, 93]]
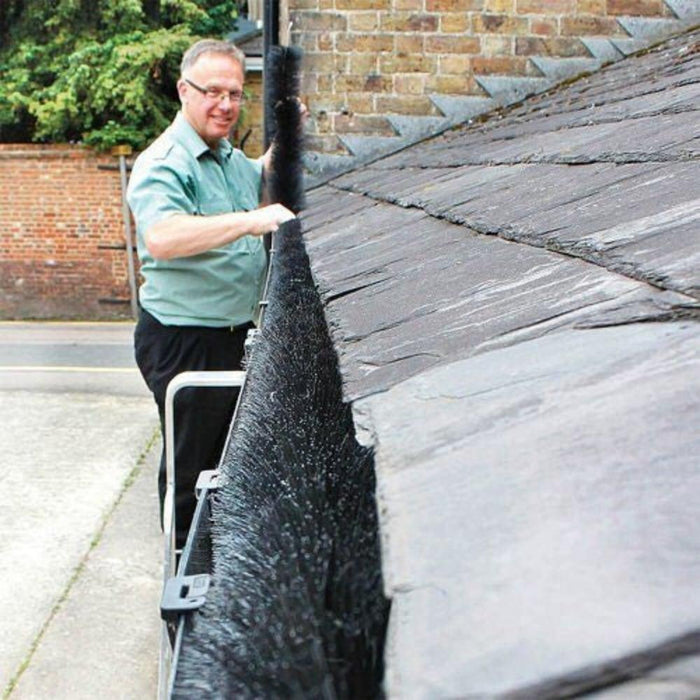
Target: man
[[196, 203]]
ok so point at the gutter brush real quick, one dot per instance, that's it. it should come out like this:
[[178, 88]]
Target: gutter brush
[[295, 607]]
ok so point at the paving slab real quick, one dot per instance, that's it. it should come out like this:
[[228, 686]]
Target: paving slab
[[104, 639], [65, 461]]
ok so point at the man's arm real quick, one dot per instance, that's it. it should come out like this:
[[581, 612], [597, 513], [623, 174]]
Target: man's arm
[[182, 235]]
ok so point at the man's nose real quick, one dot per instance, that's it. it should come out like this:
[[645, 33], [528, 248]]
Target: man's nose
[[226, 101]]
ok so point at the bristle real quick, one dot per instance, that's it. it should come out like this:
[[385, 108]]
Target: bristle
[[296, 607], [282, 78], [286, 180]]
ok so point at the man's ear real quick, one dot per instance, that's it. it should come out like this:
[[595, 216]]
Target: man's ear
[[182, 90]]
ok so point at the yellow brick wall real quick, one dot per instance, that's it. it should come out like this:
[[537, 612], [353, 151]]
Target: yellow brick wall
[[367, 58]]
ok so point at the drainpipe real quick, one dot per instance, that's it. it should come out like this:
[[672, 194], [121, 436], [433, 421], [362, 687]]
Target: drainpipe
[[122, 152], [271, 37]]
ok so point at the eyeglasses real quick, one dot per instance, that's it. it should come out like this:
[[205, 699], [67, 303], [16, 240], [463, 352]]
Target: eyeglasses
[[216, 95]]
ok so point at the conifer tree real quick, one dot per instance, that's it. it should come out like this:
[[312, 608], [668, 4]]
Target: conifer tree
[[98, 72]]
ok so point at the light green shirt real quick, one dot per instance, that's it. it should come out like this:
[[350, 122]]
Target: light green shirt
[[179, 174]]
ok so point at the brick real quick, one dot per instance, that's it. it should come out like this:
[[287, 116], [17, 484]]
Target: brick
[[500, 65], [321, 118], [415, 5], [450, 84], [414, 63], [591, 7], [305, 40], [550, 7], [453, 5], [410, 44], [405, 104], [325, 83], [499, 6], [542, 26], [363, 21], [63, 210], [363, 4], [563, 47], [363, 83], [363, 63], [320, 21], [365, 43], [452, 44], [377, 83], [499, 24], [323, 103], [305, 5], [582, 26], [348, 83], [409, 84], [455, 22], [454, 65], [361, 103], [495, 45], [323, 62], [409, 22], [325, 41]]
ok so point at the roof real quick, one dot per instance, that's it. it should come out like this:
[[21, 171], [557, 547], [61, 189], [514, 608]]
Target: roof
[[248, 36], [515, 309]]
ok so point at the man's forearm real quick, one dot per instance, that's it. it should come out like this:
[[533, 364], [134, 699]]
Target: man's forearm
[[183, 235]]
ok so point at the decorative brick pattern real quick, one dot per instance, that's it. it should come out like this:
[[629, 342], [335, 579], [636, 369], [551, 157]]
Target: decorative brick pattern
[[367, 57], [62, 248]]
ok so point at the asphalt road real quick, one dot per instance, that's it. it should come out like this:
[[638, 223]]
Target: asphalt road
[[75, 357], [81, 552]]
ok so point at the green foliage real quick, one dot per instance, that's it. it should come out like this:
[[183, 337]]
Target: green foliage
[[100, 72]]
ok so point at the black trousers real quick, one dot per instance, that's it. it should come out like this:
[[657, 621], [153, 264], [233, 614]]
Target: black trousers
[[202, 416]]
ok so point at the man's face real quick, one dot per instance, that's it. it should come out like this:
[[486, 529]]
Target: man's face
[[212, 119]]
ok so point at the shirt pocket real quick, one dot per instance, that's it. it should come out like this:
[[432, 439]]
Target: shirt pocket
[[249, 245], [212, 206]]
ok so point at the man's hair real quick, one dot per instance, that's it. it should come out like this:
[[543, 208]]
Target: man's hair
[[216, 46]]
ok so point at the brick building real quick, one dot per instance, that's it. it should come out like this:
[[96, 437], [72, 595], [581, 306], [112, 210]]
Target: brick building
[[367, 59], [378, 74]]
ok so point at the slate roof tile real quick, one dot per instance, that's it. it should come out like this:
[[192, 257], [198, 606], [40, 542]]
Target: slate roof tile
[[515, 306]]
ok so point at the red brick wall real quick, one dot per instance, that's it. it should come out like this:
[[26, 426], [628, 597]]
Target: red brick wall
[[62, 240]]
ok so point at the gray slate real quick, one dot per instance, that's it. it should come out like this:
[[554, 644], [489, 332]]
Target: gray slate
[[650, 28], [462, 108], [508, 89], [559, 69], [685, 9], [540, 509], [515, 308], [601, 48]]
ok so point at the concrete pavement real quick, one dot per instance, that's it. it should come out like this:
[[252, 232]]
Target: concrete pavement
[[81, 553]]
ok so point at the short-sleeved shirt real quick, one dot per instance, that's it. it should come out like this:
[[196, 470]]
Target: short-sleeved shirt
[[179, 174]]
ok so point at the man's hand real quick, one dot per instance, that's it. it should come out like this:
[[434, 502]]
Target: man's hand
[[268, 219], [266, 158]]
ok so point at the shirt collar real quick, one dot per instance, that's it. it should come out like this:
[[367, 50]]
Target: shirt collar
[[187, 136]]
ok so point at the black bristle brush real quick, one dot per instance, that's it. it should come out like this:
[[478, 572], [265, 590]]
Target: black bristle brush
[[283, 109], [296, 608]]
